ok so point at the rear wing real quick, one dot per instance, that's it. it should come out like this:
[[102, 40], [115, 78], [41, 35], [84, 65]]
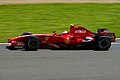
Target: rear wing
[[106, 32]]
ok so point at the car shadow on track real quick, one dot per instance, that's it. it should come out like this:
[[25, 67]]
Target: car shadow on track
[[55, 49]]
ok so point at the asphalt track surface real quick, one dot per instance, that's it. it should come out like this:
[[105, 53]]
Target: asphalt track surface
[[46, 64]]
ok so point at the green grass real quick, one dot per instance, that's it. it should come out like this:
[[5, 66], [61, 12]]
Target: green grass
[[44, 18]]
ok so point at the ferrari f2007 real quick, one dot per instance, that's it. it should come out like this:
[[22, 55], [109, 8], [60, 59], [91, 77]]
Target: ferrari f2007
[[76, 38]]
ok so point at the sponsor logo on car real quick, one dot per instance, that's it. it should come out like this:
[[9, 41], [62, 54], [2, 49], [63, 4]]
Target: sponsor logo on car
[[80, 31]]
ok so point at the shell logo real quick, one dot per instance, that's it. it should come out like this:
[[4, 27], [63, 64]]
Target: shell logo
[[67, 40], [79, 40]]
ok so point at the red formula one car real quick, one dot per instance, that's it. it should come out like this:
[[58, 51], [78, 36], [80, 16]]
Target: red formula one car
[[77, 38]]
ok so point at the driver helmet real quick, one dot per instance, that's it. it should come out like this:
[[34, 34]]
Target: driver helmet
[[72, 25]]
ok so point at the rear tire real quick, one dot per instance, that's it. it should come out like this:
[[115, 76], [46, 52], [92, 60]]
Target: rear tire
[[102, 43], [32, 43]]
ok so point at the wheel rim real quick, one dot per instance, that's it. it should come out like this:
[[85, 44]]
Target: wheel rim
[[104, 43], [32, 43]]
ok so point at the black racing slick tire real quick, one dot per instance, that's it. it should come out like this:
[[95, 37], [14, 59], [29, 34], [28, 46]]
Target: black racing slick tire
[[26, 33], [32, 43], [103, 43]]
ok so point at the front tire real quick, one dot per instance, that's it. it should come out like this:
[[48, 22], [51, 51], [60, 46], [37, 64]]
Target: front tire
[[32, 43], [26, 33], [103, 43]]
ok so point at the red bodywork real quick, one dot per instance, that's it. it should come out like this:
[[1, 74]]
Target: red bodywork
[[77, 37]]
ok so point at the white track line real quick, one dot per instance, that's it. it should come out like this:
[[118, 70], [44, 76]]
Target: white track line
[[4, 43], [115, 43], [117, 38]]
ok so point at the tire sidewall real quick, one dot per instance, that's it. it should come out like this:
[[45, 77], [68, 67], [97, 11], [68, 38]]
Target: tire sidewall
[[32, 43], [26, 33], [103, 43]]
